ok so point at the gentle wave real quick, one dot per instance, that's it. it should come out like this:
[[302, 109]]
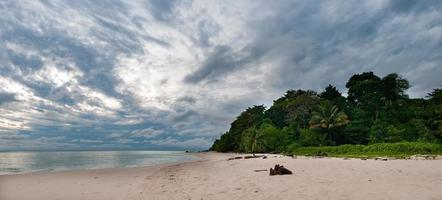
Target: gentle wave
[[24, 162]]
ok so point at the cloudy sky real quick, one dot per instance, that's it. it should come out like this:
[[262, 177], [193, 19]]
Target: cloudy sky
[[164, 74]]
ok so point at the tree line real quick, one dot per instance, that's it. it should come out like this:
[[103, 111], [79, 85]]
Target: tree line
[[376, 110]]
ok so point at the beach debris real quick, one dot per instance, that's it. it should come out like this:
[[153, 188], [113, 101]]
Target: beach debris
[[363, 158], [425, 157], [235, 158], [346, 158], [260, 170], [279, 170], [253, 156], [381, 158], [319, 154], [264, 157]]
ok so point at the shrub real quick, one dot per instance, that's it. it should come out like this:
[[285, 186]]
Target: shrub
[[381, 149]]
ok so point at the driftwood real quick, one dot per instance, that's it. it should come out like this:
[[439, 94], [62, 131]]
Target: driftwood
[[279, 170], [247, 157], [254, 156], [260, 170], [234, 158]]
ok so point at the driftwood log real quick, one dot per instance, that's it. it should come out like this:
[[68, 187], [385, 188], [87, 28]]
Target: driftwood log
[[279, 170]]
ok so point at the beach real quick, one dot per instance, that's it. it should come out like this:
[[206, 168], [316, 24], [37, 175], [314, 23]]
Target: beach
[[215, 177]]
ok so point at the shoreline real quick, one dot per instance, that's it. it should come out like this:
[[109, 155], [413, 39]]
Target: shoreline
[[214, 177], [201, 158], [112, 168], [44, 171]]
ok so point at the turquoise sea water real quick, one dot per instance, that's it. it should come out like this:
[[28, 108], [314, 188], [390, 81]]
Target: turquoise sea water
[[22, 162]]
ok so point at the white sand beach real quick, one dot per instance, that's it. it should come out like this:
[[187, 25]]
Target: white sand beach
[[214, 177]]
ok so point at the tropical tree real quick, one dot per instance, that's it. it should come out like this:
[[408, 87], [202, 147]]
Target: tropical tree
[[330, 93], [300, 107], [394, 87], [328, 117], [253, 140], [251, 117]]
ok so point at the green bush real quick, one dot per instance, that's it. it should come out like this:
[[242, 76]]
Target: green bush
[[312, 137], [400, 149]]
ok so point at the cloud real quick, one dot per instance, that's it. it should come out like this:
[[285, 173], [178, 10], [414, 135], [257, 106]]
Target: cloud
[[174, 74], [7, 98], [146, 133], [219, 62], [189, 143], [162, 9]]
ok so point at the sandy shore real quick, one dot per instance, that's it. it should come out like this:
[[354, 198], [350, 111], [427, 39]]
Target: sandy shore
[[216, 178]]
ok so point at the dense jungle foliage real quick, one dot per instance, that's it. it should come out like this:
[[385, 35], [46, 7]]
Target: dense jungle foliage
[[376, 110]]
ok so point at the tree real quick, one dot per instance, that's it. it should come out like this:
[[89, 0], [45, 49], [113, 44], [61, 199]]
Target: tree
[[251, 117], [275, 139], [436, 96], [376, 110], [252, 140], [330, 93], [363, 87], [334, 96], [312, 137], [224, 144], [276, 113], [356, 132], [365, 91], [300, 106], [434, 113], [328, 117], [394, 88]]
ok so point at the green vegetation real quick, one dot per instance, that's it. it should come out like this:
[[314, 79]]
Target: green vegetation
[[401, 150], [376, 118]]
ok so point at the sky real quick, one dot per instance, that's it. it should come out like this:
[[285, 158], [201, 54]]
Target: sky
[[169, 74]]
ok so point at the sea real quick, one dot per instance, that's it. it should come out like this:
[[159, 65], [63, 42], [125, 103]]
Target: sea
[[24, 162]]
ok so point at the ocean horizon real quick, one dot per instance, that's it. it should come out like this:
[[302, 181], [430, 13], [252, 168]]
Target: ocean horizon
[[17, 162]]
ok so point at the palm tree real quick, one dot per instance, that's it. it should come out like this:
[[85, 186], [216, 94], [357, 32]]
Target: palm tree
[[328, 117]]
